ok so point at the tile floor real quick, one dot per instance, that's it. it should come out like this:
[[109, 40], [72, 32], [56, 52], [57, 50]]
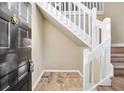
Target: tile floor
[[60, 81]]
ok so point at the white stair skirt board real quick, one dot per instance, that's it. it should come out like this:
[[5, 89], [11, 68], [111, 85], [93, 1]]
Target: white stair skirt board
[[118, 45], [38, 79]]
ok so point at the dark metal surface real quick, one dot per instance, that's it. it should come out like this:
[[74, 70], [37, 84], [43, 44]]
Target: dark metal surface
[[14, 54]]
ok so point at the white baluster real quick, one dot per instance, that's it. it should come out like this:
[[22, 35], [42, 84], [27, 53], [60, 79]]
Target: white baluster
[[65, 12], [49, 6], [92, 72], [60, 10], [75, 14], [79, 15], [9, 5], [65, 8], [93, 28], [69, 13], [52, 6], [89, 24], [45, 4], [102, 7], [55, 8], [84, 18]]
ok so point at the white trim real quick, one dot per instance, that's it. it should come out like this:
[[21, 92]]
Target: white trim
[[65, 71], [118, 45], [36, 82]]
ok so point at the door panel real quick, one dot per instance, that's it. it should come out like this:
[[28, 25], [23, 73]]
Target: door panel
[[14, 52]]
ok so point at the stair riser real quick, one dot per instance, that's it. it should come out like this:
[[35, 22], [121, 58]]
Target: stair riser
[[117, 50], [118, 72], [117, 59], [104, 88]]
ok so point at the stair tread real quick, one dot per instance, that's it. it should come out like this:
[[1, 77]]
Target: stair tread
[[118, 83], [120, 78], [117, 54], [118, 65], [120, 58], [104, 88], [117, 49]]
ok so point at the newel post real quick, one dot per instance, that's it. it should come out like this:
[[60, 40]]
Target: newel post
[[86, 67], [107, 36], [106, 33], [93, 36]]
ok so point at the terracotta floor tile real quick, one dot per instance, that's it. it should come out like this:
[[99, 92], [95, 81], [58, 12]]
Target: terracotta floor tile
[[60, 81]]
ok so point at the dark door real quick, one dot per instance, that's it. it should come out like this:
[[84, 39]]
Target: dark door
[[14, 61], [8, 56]]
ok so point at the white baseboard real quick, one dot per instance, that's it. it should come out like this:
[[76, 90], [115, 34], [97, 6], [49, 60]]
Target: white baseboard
[[36, 82], [118, 45], [65, 71]]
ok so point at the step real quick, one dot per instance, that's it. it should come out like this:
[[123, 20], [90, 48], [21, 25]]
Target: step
[[104, 88], [118, 65], [117, 59], [117, 49], [118, 83], [117, 55], [118, 69], [118, 72]]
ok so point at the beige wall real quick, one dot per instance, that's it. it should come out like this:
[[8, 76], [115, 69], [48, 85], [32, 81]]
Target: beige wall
[[61, 53], [37, 43], [115, 12], [51, 49]]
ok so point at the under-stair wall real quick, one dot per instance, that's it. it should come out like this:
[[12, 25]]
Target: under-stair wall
[[60, 52]]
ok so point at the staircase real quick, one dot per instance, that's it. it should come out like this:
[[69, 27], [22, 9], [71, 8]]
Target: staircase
[[117, 60], [71, 22], [81, 23]]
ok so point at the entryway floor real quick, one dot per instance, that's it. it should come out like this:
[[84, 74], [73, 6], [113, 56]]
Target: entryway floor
[[60, 81]]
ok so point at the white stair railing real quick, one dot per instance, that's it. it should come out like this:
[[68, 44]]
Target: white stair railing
[[97, 66], [76, 21], [98, 5], [69, 9], [93, 32]]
